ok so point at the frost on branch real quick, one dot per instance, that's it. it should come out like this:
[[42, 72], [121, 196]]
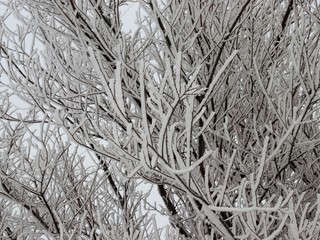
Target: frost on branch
[[213, 103]]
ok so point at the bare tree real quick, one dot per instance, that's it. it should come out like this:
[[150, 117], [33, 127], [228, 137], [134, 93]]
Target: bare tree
[[214, 103]]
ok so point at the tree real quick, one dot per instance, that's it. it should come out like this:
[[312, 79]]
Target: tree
[[214, 103]]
